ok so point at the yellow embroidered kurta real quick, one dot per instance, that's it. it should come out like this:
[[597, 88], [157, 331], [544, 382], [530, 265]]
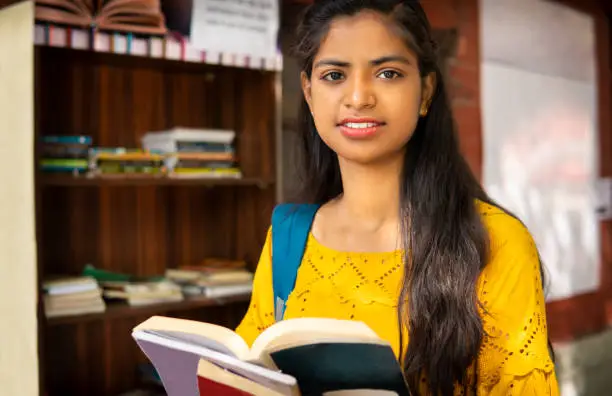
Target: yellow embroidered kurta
[[514, 357]]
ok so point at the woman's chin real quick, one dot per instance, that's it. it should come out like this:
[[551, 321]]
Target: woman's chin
[[371, 156]]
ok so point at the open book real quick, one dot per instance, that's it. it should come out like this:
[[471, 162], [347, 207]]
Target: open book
[[307, 356], [135, 16]]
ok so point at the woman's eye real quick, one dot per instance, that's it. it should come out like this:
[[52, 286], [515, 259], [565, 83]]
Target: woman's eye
[[389, 74], [333, 76]]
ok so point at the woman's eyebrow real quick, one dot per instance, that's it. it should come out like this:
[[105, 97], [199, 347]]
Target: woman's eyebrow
[[331, 62], [373, 62], [390, 58]]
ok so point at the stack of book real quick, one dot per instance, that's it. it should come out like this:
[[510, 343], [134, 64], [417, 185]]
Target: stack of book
[[65, 154], [213, 278], [122, 162], [136, 293], [195, 153], [66, 296]]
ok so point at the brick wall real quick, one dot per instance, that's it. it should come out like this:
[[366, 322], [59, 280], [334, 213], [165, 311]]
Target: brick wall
[[464, 74]]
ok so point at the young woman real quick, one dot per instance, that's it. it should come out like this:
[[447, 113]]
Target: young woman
[[406, 239]]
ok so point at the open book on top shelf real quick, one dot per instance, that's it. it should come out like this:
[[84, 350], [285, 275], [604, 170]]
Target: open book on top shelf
[[306, 356], [135, 16]]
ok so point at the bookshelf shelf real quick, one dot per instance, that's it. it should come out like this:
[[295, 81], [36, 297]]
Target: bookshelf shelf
[[76, 181], [120, 311]]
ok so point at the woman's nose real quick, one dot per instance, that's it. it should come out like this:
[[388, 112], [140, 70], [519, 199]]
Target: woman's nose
[[360, 94]]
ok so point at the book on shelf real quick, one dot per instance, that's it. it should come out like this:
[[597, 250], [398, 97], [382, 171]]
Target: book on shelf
[[306, 356], [213, 278], [170, 47], [121, 162], [68, 296], [217, 290], [134, 16], [142, 293], [196, 153], [191, 274], [171, 140], [64, 154], [61, 285]]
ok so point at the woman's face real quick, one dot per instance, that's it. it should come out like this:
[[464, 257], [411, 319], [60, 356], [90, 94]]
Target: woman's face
[[365, 91]]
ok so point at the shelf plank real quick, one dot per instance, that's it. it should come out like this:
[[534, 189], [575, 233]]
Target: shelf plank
[[118, 310], [67, 181]]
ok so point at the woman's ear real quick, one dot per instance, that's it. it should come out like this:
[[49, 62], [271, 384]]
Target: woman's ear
[[428, 89], [306, 89]]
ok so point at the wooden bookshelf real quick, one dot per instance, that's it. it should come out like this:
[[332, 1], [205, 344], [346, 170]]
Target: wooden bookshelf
[[137, 225]]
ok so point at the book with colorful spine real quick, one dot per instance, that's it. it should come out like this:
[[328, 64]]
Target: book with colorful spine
[[122, 162], [196, 153], [64, 154]]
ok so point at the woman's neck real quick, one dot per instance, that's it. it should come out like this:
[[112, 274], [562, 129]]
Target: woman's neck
[[371, 193]]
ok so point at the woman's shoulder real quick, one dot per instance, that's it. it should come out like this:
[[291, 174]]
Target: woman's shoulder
[[503, 227], [509, 240]]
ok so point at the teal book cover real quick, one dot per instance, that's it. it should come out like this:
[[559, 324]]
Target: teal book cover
[[328, 367]]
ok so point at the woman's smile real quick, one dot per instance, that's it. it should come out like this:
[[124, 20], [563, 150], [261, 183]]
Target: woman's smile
[[360, 127]]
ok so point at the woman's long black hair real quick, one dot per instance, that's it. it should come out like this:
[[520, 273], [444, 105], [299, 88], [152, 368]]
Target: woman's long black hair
[[444, 238]]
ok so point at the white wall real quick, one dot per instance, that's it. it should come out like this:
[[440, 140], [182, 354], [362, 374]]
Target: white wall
[[18, 326], [539, 106]]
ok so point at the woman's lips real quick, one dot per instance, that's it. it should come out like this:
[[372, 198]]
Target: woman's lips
[[356, 128]]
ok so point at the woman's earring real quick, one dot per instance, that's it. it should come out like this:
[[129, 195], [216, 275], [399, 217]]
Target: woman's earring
[[424, 109]]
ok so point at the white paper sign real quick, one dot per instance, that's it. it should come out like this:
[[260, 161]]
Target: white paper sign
[[539, 107], [241, 27]]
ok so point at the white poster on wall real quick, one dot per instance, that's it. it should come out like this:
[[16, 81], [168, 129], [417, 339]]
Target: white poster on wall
[[539, 106], [243, 27]]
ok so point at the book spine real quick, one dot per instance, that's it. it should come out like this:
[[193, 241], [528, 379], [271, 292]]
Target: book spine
[[119, 44], [140, 47], [172, 47], [80, 39], [101, 42]]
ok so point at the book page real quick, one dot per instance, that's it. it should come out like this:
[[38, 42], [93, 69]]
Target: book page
[[305, 331], [152, 342], [208, 335], [194, 339]]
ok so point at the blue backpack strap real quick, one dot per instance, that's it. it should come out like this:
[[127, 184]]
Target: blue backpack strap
[[290, 228]]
